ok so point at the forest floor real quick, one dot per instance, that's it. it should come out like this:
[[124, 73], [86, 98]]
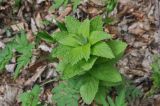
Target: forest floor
[[135, 21]]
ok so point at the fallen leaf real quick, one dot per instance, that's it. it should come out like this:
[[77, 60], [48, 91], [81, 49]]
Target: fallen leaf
[[18, 27], [38, 21], [33, 26], [45, 48], [34, 78], [2, 45], [10, 68]]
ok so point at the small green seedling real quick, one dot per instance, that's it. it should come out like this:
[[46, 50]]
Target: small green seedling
[[120, 100], [31, 98], [111, 4]]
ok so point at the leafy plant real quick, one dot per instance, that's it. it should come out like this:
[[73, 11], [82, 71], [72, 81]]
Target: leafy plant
[[5, 56], [155, 74], [31, 98], [119, 100], [58, 3], [24, 49], [132, 93], [88, 55]]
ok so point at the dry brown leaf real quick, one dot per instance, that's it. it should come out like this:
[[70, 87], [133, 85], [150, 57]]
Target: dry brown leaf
[[33, 26], [18, 27], [33, 79], [45, 48], [38, 21]]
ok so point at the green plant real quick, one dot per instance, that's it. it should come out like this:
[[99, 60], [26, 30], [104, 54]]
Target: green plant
[[155, 74], [119, 100], [88, 55], [31, 98], [5, 56], [17, 3], [58, 3], [132, 93], [111, 4], [24, 53]]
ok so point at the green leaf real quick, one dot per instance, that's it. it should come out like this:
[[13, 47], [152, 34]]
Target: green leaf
[[106, 72], [96, 24], [84, 28], [31, 98], [111, 5], [89, 64], [80, 68], [17, 3], [75, 3], [120, 99], [97, 36], [65, 95], [45, 36], [61, 51], [78, 53], [65, 3], [25, 48], [155, 73], [110, 84], [57, 3], [86, 51], [21, 40], [108, 21], [132, 92], [59, 35], [89, 89], [118, 47], [61, 26], [22, 61], [72, 24], [81, 39], [69, 41], [5, 56], [71, 71], [110, 101], [101, 96], [103, 50]]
